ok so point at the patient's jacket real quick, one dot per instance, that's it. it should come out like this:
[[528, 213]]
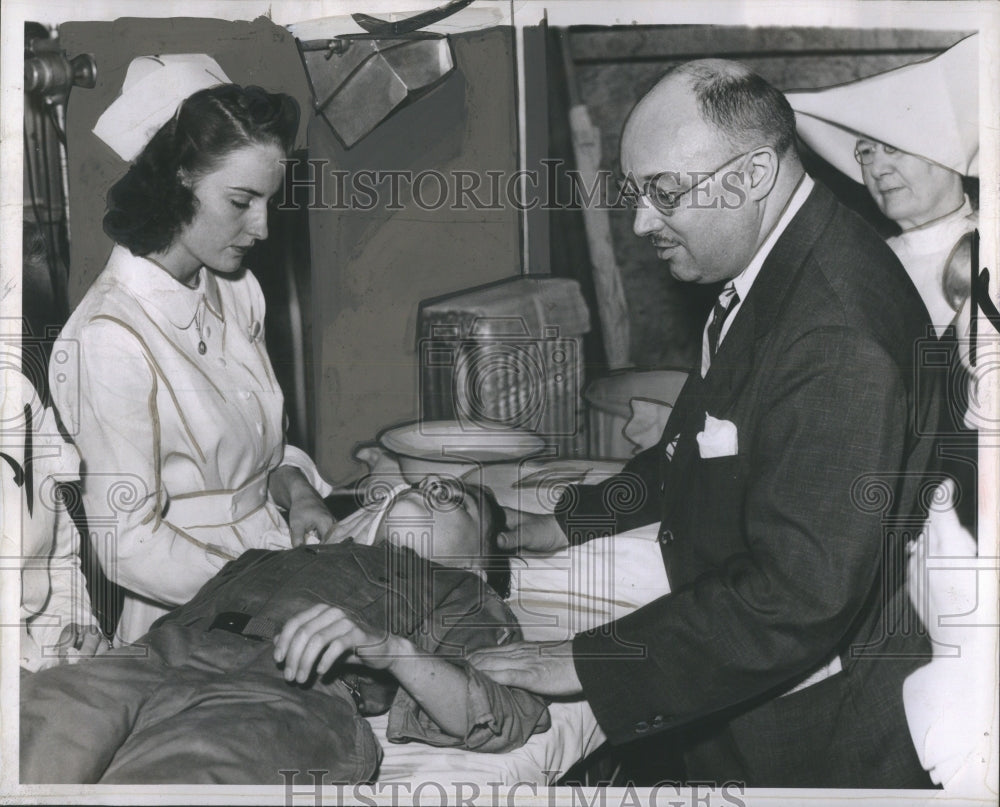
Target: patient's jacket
[[199, 699]]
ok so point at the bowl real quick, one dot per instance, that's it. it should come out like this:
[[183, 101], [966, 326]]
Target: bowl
[[451, 448]]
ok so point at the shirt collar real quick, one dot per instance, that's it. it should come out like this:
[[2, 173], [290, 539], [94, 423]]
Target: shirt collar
[[933, 235], [148, 281], [743, 281]]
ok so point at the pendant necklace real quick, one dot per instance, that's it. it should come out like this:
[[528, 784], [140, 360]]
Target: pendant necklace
[[199, 317], [199, 314]]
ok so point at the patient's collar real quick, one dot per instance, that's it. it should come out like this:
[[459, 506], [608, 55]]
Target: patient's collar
[[377, 530]]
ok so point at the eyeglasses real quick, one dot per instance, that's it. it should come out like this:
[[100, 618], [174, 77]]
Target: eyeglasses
[[441, 493], [658, 188], [864, 151]]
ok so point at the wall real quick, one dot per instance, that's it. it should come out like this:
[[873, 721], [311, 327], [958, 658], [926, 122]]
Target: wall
[[372, 267]]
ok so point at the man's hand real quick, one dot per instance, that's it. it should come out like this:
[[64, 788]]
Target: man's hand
[[325, 633], [309, 520], [534, 532], [545, 668]]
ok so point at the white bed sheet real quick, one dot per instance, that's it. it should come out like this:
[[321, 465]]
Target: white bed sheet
[[554, 597], [541, 760]]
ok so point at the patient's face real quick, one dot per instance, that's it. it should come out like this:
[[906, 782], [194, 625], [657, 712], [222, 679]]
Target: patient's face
[[439, 520]]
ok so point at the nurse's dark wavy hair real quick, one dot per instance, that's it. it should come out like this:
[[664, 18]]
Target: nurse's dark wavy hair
[[149, 205]]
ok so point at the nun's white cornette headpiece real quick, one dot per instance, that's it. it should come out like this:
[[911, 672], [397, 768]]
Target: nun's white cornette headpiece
[[929, 108], [153, 90]]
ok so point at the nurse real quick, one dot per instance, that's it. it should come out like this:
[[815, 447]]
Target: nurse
[[173, 403]]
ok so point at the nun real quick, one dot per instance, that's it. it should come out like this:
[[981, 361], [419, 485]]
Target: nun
[[909, 135]]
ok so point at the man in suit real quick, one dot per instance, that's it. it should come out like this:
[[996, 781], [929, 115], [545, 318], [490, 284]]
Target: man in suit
[[781, 648]]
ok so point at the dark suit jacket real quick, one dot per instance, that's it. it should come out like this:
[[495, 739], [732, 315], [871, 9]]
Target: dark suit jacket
[[787, 553]]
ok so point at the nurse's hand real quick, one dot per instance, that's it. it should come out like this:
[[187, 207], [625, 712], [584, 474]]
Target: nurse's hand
[[309, 520], [80, 641]]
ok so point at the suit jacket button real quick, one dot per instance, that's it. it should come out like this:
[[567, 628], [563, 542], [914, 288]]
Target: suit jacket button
[[641, 726], [663, 487], [666, 537], [657, 721]]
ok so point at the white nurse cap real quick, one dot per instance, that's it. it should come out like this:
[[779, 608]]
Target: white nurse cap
[[153, 89], [929, 108]]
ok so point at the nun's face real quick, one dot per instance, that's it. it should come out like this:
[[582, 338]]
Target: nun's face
[[909, 189], [231, 212]]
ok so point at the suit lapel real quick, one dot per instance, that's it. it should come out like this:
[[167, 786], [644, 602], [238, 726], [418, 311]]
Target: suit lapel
[[735, 361], [682, 408]]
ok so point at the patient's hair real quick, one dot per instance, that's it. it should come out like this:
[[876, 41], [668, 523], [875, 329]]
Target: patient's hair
[[496, 561], [149, 205]]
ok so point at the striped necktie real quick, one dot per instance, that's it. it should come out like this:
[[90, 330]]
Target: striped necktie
[[727, 300]]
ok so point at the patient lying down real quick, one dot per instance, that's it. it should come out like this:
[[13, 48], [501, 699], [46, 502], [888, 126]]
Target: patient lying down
[[271, 666]]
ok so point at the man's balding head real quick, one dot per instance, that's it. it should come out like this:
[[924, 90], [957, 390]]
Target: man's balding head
[[740, 105], [720, 140]]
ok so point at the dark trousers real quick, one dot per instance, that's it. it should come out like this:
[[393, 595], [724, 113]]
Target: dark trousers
[[200, 708]]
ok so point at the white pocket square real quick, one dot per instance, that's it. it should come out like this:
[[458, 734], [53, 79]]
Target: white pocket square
[[718, 440]]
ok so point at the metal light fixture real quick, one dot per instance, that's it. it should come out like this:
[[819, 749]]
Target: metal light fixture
[[358, 80]]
